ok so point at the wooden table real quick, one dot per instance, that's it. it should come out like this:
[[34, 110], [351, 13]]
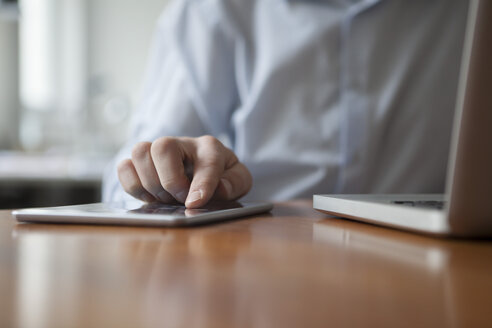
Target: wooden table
[[291, 268]]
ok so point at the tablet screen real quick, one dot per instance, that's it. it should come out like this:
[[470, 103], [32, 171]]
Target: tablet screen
[[181, 210], [138, 213]]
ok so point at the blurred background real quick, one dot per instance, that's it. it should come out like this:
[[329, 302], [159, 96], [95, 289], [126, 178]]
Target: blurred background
[[70, 76]]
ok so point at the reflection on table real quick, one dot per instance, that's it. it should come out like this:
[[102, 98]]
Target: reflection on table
[[293, 268]]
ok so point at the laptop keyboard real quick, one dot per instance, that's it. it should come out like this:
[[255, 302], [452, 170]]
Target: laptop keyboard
[[439, 205]]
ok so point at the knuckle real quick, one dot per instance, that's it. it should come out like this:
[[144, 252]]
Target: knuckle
[[124, 165], [163, 145], [128, 181], [125, 171], [211, 154], [210, 141], [140, 150]]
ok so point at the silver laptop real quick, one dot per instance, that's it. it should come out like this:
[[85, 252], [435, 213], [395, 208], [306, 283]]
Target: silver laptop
[[465, 210]]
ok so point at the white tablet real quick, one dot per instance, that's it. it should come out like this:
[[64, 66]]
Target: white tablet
[[139, 214]]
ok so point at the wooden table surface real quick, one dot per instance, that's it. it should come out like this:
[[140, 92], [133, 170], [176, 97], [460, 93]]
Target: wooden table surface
[[291, 268]]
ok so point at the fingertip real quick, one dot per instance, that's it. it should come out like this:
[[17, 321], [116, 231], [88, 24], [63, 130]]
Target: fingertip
[[194, 199]]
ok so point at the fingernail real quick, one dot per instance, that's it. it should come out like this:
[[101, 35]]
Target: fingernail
[[146, 198], [181, 196], [194, 196], [227, 186]]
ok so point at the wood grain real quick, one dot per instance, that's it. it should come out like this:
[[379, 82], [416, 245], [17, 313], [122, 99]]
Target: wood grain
[[294, 267]]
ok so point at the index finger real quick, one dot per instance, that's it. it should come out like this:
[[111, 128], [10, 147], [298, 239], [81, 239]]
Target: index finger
[[209, 165]]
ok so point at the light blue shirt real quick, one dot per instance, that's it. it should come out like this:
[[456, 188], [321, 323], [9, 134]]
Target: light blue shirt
[[341, 96]]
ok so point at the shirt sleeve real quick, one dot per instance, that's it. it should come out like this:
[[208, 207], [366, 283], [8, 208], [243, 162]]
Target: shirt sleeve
[[189, 89]]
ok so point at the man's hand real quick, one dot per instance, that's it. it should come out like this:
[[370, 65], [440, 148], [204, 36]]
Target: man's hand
[[189, 170]]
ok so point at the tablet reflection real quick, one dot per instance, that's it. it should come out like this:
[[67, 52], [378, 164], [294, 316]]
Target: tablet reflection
[[181, 210]]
